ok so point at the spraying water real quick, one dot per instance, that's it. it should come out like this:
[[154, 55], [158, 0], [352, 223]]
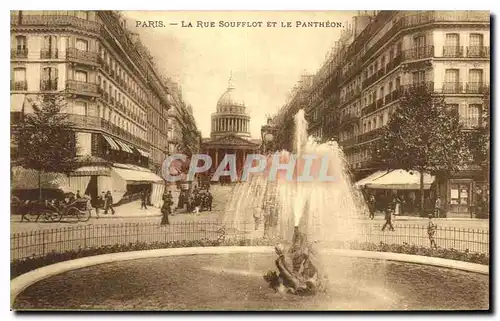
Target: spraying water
[[326, 211]]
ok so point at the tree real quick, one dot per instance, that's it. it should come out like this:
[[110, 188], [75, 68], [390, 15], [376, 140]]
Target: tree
[[478, 138], [45, 140], [423, 135]]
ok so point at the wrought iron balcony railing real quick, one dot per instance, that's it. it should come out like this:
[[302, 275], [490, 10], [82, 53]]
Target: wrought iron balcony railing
[[49, 54], [82, 56], [82, 88], [476, 88], [55, 20], [478, 52], [19, 53], [453, 51], [48, 85], [452, 88], [19, 85], [418, 53]]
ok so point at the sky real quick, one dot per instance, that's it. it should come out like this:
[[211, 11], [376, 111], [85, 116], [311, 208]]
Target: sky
[[265, 62]]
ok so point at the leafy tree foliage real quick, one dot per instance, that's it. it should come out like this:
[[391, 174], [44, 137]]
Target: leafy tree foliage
[[423, 135], [45, 140]]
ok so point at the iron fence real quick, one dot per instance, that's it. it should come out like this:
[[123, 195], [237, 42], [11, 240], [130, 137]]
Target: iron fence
[[41, 242]]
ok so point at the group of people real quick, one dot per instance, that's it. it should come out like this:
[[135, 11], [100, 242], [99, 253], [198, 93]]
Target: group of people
[[199, 200], [104, 201]]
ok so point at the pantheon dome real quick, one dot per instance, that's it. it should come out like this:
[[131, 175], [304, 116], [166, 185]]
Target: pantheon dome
[[230, 117]]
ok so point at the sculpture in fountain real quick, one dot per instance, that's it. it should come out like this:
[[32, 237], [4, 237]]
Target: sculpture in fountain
[[303, 278]]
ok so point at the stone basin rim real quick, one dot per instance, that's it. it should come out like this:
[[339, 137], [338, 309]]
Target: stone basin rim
[[22, 282]]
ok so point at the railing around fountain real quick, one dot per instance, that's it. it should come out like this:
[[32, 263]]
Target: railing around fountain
[[39, 243]]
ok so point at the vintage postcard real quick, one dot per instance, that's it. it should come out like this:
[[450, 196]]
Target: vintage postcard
[[250, 160]]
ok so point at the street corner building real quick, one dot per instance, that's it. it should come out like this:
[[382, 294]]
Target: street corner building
[[125, 114], [356, 90], [230, 132]]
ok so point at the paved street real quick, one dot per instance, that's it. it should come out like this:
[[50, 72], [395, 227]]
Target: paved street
[[131, 213]]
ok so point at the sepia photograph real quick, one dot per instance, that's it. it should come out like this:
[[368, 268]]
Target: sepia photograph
[[250, 160]]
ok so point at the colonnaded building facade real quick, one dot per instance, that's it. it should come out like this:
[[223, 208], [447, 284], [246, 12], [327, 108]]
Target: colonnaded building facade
[[356, 90], [230, 131], [124, 112]]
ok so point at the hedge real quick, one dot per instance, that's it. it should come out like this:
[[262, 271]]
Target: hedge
[[18, 267]]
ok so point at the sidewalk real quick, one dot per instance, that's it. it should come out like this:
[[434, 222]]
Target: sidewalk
[[132, 209]]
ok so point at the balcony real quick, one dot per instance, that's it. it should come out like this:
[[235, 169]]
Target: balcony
[[19, 85], [425, 85], [348, 119], [48, 85], [55, 20], [371, 135], [478, 52], [453, 51], [393, 63], [414, 19], [476, 88], [379, 103], [369, 109], [82, 88], [49, 54], [452, 88], [82, 56], [19, 53], [417, 53], [90, 122], [348, 142]]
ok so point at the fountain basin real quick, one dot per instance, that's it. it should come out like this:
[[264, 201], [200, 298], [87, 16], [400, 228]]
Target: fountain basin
[[230, 278]]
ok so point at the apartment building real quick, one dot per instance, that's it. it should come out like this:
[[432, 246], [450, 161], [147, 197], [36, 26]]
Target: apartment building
[[447, 51], [115, 96]]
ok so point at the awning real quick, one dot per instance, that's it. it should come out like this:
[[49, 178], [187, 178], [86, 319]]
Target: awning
[[16, 102], [91, 170], [401, 179], [143, 153], [370, 178], [124, 146], [111, 142], [135, 176]]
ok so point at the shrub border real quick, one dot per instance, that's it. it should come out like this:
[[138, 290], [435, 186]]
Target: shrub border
[[20, 283]]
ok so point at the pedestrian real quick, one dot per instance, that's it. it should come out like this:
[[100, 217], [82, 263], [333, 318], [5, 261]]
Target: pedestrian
[[166, 208], [438, 207], [371, 206], [102, 201], [96, 202], [78, 196], [397, 205], [144, 197], [209, 200], [388, 219], [108, 204], [431, 231]]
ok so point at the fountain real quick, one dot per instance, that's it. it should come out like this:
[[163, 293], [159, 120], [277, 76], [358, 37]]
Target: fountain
[[306, 219]]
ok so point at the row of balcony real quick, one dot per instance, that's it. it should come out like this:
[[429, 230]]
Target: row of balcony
[[72, 54], [97, 123], [362, 138], [55, 20], [118, 105]]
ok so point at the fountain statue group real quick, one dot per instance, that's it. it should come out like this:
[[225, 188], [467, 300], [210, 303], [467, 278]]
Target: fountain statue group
[[303, 277]]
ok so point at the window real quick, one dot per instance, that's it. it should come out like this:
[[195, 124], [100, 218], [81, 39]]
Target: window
[[82, 44], [476, 40], [19, 74], [475, 76], [451, 76], [49, 49], [49, 78], [21, 43], [472, 115], [418, 77], [81, 76], [80, 108], [452, 44]]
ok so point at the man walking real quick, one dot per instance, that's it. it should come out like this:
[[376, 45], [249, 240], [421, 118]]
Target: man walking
[[166, 208], [108, 203], [144, 197], [431, 231], [371, 206], [388, 219]]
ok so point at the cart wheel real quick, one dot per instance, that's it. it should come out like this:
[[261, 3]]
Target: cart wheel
[[52, 216], [83, 216]]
